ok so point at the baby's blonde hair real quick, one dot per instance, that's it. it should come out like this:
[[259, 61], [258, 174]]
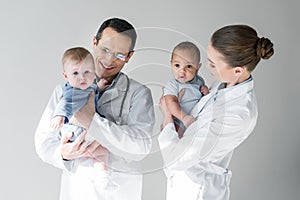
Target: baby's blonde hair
[[75, 55]]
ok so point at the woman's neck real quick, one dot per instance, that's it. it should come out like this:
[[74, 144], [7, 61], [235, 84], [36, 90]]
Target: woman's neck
[[241, 79]]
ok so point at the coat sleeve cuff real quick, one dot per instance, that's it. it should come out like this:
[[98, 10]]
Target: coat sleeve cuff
[[168, 136]]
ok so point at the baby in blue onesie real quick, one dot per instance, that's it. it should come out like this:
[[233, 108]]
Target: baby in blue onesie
[[185, 62], [79, 72]]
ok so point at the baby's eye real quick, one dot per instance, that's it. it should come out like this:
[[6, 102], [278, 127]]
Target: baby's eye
[[87, 72], [75, 73], [189, 66], [177, 65]]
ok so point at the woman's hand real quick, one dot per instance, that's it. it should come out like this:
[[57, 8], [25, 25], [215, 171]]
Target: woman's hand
[[165, 111], [188, 120]]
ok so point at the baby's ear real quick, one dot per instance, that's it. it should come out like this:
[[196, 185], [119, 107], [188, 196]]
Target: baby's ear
[[199, 65], [64, 74]]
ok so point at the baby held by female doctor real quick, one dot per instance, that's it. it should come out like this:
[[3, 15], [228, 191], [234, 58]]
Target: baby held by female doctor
[[185, 62]]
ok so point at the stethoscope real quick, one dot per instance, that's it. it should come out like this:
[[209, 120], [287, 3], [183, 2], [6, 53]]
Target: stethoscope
[[119, 119]]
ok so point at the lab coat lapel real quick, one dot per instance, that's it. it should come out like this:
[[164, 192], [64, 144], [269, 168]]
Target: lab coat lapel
[[109, 96], [230, 93], [199, 106]]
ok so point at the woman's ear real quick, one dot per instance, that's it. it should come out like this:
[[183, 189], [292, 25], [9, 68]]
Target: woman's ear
[[238, 71]]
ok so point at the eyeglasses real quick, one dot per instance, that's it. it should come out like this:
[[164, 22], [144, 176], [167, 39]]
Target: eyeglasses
[[105, 51]]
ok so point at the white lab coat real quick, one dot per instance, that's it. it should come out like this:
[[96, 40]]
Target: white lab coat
[[127, 143], [197, 164]]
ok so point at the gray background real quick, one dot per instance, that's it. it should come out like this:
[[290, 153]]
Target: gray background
[[35, 33]]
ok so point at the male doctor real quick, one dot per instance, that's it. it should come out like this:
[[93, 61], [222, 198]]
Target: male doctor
[[122, 124]]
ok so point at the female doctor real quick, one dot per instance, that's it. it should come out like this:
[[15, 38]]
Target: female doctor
[[197, 164]]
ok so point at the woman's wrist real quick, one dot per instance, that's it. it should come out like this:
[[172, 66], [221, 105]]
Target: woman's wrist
[[167, 119]]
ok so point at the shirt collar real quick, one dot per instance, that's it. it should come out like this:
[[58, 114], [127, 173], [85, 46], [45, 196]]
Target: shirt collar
[[236, 90]]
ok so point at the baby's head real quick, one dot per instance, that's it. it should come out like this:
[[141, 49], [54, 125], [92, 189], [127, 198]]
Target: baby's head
[[185, 61], [78, 67]]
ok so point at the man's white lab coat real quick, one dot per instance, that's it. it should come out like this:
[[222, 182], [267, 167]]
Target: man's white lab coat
[[128, 143]]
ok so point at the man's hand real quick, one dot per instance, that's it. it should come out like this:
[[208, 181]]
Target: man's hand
[[84, 116], [73, 150]]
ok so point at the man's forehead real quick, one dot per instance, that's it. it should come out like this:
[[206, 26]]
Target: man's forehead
[[112, 39]]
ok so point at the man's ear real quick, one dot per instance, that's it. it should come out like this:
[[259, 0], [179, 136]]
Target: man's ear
[[130, 54], [94, 42], [239, 70]]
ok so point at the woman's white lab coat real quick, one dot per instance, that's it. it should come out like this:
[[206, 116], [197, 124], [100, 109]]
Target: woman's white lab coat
[[127, 143], [197, 164]]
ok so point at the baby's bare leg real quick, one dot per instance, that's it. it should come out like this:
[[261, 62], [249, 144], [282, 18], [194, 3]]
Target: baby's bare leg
[[103, 179], [101, 162]]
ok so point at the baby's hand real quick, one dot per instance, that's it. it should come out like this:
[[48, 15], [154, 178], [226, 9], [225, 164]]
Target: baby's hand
[[57, 122], [204, 90], [187, 120], [102, 84]]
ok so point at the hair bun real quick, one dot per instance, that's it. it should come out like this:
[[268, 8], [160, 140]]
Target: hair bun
[[264, 48]]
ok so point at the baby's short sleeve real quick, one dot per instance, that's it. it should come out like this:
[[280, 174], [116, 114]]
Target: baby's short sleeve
[[171, 88]]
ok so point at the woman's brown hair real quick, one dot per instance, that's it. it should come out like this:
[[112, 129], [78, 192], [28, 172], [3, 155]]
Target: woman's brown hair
[[241, 46]]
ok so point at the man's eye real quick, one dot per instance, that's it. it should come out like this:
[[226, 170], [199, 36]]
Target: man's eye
[[105, 50], [120, 56], [212, 66]]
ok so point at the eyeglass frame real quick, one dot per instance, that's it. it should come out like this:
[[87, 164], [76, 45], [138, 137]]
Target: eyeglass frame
[[119, 56]]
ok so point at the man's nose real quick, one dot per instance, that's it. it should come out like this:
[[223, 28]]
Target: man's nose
[[110, 58]]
